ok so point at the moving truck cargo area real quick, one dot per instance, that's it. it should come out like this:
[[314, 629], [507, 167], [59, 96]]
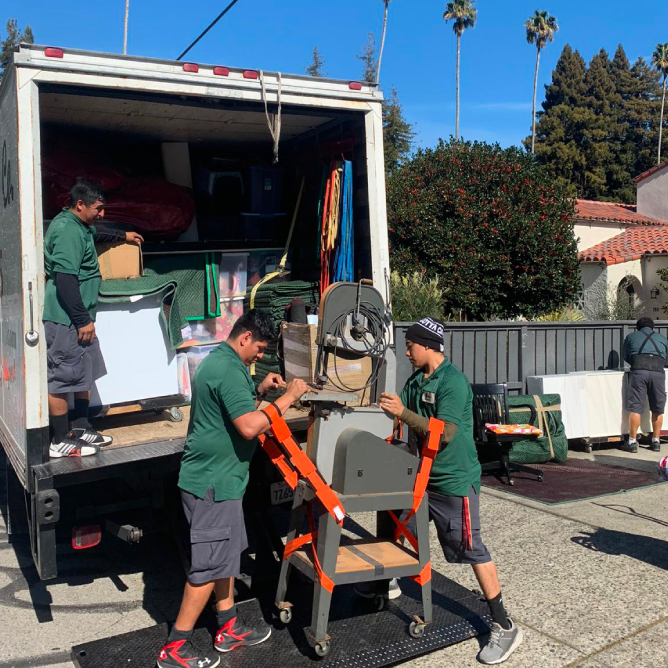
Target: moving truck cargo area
[[234, 178]]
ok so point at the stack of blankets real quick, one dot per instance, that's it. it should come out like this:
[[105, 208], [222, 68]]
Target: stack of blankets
[[275, 298]]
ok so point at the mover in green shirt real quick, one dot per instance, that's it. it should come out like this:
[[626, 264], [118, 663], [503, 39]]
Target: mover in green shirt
[[222, 436], [74, 359], [440, 390]]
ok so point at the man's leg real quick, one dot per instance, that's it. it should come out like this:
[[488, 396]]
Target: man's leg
[[195, 598], [657, 423], [634, 425], [58, 417], [81, 406]]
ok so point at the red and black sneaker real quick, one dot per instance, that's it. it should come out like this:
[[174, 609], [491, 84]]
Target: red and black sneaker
[[182, 654], [236, 634]]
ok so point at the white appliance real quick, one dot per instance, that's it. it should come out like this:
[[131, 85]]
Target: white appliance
[[572, 390], [140, 364]]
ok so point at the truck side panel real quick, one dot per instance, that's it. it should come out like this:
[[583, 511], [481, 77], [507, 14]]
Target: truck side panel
[[12, 389]]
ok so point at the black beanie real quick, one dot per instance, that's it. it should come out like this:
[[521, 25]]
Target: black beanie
[[428, 333]]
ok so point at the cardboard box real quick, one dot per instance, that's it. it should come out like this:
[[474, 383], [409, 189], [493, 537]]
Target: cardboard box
[[300, 351], [119, 260]]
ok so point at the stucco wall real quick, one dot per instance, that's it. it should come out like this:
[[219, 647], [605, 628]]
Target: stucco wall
[[650, 265], [591, 234], [653, 195]]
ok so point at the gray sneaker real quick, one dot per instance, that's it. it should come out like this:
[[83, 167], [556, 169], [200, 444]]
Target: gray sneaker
[[501, 644], [656, 445]]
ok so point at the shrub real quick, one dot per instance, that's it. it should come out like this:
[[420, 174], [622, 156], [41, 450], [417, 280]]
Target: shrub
[[416, 296], [490, 224]]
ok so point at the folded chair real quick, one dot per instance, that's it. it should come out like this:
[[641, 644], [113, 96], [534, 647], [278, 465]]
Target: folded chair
[[490, 406]]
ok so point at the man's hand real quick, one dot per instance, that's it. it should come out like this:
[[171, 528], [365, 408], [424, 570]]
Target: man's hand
[[271, 382], [296, 389], [86, 334], [391, 404], [134, 238]]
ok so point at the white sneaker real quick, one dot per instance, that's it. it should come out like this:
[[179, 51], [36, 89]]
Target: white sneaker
[[72, 447], [90, 436]]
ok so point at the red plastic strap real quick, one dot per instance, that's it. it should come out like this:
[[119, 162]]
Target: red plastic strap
[[296, 544], [274, 453], [429, 452], [424, 576], [467, 535], [398, 432]]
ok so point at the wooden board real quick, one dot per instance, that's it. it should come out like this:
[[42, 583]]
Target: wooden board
[[390, 554]]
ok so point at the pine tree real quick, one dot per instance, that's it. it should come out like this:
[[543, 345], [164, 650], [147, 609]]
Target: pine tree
[[398, 133], [13, 39], [600, 101], [561, 125], [369, 58], [315, 68]]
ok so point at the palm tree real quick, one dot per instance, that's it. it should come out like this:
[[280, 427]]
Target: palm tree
[[464, 15], [660, 62], [382, 40], [540, 30]]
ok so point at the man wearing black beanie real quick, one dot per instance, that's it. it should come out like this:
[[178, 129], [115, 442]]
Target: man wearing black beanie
[[439, 389]]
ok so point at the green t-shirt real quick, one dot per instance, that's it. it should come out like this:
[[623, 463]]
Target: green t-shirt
[[69, 248], [447, 395], [216, 455]]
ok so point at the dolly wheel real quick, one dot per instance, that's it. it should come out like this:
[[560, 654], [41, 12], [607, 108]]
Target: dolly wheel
[[322, 648], [416, 630], [175, 414], [540, 478], [285, 615], [379, 602]]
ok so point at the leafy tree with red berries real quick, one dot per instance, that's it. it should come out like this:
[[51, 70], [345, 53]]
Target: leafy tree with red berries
[[491, 224]]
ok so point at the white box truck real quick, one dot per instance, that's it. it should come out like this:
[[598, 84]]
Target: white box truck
[[176, 111]]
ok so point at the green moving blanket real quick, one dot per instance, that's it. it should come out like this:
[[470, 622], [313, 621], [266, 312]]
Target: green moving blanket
[[553, 444], [188, 285]]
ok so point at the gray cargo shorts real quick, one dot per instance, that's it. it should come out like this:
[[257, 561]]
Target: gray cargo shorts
[[447, 515], [217, 537], [646, 385], [71, 366]]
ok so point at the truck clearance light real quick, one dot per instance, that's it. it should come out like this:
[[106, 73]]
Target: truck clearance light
[[85, 537], [51, 52], [250, 74], [190, 67], [221, 71], [355, 85]]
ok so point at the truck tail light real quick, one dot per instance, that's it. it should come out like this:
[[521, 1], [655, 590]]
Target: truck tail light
[[85, 537], [355, 85], [221, 71], [250, 74], [190, 67], [51, 52]]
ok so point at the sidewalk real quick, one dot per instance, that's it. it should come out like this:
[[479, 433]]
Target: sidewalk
[[584, 580]]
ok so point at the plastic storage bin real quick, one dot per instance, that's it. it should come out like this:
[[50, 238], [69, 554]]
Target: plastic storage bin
[[183, 375], [211, 330], [196, 355], [233, 275]]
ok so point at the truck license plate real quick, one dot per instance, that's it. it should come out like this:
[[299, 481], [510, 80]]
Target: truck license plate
[[281, 492]]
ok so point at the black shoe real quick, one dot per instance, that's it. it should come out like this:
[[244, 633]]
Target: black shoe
[[656, 445], [182, 654], [629, 446], [90, 436], [236, 634]]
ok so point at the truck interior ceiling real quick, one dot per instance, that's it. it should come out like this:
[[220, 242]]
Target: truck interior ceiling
[[197, 178]]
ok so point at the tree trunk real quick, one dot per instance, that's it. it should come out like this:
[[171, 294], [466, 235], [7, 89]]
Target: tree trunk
[[533, 116], [459, 42], [382, 43], [663, 103], [125, 27]]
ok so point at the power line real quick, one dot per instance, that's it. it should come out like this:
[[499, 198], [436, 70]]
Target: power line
[[213, 23]]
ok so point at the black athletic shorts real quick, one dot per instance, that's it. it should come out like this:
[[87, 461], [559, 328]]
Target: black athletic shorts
[[447, 514], [645, 385], [71, 366], [217, 537]]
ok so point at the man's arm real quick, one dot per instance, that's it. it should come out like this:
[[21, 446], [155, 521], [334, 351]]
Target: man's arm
[[69, 295], [393, 405], [625, 350], [109, 236], [253, 423]]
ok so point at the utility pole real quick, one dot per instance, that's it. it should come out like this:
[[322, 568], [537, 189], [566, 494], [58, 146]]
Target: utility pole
[[125, 27]]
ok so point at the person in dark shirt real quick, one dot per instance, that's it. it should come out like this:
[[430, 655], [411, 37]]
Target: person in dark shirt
[[74, 359], [646, 351]]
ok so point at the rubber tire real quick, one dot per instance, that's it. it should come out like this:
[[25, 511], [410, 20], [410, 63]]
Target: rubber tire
[[175, 414], [379, 603], [540, 478], [322, 648], [285, 615], [416, 630]]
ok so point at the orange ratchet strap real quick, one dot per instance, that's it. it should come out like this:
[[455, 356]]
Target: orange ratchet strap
[[300, 462], [274, 453], [429, 452], [398, 432]]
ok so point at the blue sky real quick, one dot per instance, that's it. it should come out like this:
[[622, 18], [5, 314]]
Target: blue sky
[[497, 63]]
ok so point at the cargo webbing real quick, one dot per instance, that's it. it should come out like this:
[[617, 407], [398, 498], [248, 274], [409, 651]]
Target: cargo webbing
[[303, 466]]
